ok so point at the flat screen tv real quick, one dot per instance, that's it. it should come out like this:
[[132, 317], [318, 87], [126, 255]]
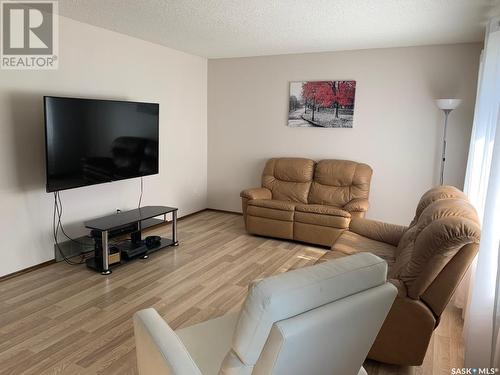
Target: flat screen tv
[[91, 141]]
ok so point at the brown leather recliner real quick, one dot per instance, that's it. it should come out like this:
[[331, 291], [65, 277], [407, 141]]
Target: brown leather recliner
[[426, 261], [307, 201]]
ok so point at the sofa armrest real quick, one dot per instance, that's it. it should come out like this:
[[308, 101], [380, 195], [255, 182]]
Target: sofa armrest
[[357, 205], [253, 193], [377, 230], [159, 349], [256, 193]]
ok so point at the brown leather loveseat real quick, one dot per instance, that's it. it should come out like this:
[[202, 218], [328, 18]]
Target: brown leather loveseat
[[426, 262], [307, 201]]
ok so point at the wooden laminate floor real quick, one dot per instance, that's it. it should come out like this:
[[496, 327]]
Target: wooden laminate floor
[[65, 319]]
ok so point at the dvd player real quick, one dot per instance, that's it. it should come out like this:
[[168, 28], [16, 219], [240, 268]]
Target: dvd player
[[130, 250]]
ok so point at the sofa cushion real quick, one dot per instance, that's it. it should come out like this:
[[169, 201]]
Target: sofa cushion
[[322, 215], [351, 243], [273, 203], [271, 209], [322, 220], [336, 182], [322, 210], [289, 179]]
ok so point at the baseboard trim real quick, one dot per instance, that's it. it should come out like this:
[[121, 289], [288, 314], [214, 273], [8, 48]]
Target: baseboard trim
[[192, 214], [223, 211], [53, 261], [27, 270]]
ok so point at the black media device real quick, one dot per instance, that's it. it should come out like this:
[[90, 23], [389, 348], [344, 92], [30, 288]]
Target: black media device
[[135, 237], [152, 241], [90, 141]]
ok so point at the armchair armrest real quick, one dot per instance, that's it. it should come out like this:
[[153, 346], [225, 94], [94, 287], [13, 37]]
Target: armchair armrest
[[256, 193], [377, 230], [159, 349], [357, 205]]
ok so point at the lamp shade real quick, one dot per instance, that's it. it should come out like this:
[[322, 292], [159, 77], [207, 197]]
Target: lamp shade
[[448, 104]]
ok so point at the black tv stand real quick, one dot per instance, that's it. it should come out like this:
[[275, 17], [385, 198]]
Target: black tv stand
[[127, 222]]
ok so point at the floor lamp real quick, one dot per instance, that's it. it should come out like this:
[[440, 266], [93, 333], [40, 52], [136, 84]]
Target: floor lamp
[[446, 105]]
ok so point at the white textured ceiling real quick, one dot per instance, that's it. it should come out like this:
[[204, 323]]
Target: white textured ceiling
[[232, 28]]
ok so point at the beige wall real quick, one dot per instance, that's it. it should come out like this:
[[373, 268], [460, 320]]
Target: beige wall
[[98, 63], [397, 127]]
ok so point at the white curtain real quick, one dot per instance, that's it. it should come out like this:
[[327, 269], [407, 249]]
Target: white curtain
[[482, 185]]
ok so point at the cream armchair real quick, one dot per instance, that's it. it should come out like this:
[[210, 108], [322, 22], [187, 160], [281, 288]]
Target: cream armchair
[[316, 320]]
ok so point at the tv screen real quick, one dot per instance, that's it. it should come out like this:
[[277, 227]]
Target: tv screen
[[91, 141]]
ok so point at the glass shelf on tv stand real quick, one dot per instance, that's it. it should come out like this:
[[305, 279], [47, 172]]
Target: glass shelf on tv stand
[[127, 222]]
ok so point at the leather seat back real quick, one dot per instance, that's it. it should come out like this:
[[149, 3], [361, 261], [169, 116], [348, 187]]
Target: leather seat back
[[289, 179], [315, 342], [435, 194], [337, 182], [437, 248], [405, 248], [287, 315]]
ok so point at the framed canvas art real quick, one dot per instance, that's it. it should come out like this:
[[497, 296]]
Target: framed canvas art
[[324, 104]]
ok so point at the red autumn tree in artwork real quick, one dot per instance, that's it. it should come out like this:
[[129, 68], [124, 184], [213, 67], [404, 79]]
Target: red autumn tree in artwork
[[325, 103], [329, 94]]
